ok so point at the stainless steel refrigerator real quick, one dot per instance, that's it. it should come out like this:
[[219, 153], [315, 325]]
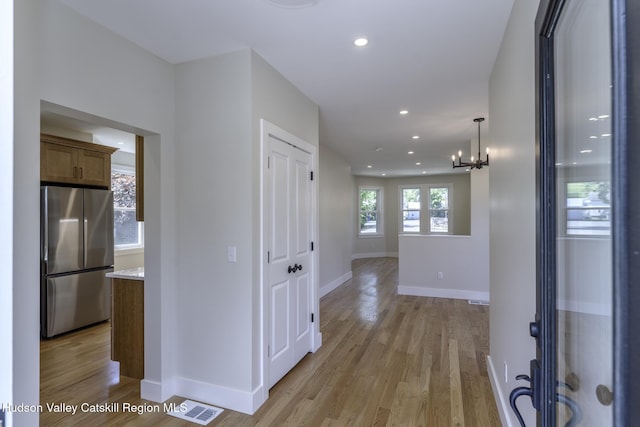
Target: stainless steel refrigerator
[[76, 234]]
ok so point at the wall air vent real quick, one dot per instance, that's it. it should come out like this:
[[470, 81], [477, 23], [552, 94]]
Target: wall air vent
[[478, 302], [195, 412]]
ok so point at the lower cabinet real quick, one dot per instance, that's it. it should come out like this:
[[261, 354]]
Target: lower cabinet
[[127, 326]]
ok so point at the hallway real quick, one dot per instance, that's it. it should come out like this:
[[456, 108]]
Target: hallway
[[385, 360]]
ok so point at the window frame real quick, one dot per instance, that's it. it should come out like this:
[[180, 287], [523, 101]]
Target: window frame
[[425, 210], [401, 188], [379, 211], [132, 247]]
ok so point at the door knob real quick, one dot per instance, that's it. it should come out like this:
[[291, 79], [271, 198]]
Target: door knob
[[292, 269], [299, 267]]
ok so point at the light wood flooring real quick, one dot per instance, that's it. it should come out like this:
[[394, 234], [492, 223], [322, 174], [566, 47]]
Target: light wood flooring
[[386, 360]]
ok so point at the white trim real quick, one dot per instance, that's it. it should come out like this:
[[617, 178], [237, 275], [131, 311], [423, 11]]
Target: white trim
[[375, 255], [420, 291], [129, 250], [501, 402], [236, 400], [334, 284], [157, 391]]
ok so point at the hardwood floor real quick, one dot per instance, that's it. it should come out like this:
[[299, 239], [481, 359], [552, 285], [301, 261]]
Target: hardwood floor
[[386, 360]]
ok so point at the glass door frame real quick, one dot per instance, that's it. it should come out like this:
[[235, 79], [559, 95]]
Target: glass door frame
[[625, 227]]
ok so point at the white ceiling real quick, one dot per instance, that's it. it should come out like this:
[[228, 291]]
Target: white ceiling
[[431, 57]]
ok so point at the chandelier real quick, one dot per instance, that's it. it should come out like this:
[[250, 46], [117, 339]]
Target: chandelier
[[474, 163]]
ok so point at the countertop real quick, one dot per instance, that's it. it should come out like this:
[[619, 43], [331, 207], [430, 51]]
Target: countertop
[[130, 274]]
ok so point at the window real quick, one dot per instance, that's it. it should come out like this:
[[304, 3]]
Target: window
[[128, 233], [410, 210], [588, 208], [436, 208], [370, 215]]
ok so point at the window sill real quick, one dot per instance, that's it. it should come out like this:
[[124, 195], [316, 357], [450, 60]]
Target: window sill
[[370, 236], [129, 250]]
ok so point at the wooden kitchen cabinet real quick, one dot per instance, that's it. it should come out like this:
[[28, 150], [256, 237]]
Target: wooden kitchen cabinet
[[127, 326], [68, 161]]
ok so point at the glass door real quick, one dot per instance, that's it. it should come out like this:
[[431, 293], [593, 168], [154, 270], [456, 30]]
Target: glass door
[[587, 366], [582, 244]]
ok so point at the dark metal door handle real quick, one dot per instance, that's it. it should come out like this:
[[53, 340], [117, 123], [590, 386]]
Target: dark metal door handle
[[299, 267], [292, 269], [515, 394]]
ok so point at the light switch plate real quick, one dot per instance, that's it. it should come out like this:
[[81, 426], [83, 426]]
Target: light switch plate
[[231, 254]]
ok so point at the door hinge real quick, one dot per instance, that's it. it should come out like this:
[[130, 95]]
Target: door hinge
[[268, 257], [311, 317], [268, 162], [268, 351], [312, 246], [311, 175]]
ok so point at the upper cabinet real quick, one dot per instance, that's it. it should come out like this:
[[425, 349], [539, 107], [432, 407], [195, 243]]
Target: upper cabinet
[[69, 161]]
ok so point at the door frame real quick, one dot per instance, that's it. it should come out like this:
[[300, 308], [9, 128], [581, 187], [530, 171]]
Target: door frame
[[625, 232], [268, 129]]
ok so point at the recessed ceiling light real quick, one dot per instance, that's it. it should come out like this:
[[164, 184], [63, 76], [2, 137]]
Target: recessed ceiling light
[[410, 152], [604, 116], [404, 112], [593, 119], [369, 166], [423, 172], [361, 42], [120, 143], [585, 151], [384, 174], [559, 164], [415, 137], [593, 137], [606, 134], [418, 163]]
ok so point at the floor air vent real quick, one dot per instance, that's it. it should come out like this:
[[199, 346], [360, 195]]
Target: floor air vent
[[195, 412], [478, 302]]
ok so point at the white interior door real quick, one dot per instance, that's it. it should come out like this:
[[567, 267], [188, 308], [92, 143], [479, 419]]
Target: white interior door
[[290, 262]]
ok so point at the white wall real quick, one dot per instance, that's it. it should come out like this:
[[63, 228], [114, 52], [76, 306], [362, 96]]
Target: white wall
[[512, 189], [422, 257], [214, 195], [6, 199], [64, 59], [24, 239], [337, 211], [463, 261], [279, 102], [220, 102]]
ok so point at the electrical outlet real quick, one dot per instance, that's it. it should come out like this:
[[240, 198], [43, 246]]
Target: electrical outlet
[[506, 372], [440, 275]]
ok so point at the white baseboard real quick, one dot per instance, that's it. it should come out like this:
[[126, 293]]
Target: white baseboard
[[156, 391], [375, 255], [325, 289], [502, 402], [420, 291], [236, 400], [317, 342]]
